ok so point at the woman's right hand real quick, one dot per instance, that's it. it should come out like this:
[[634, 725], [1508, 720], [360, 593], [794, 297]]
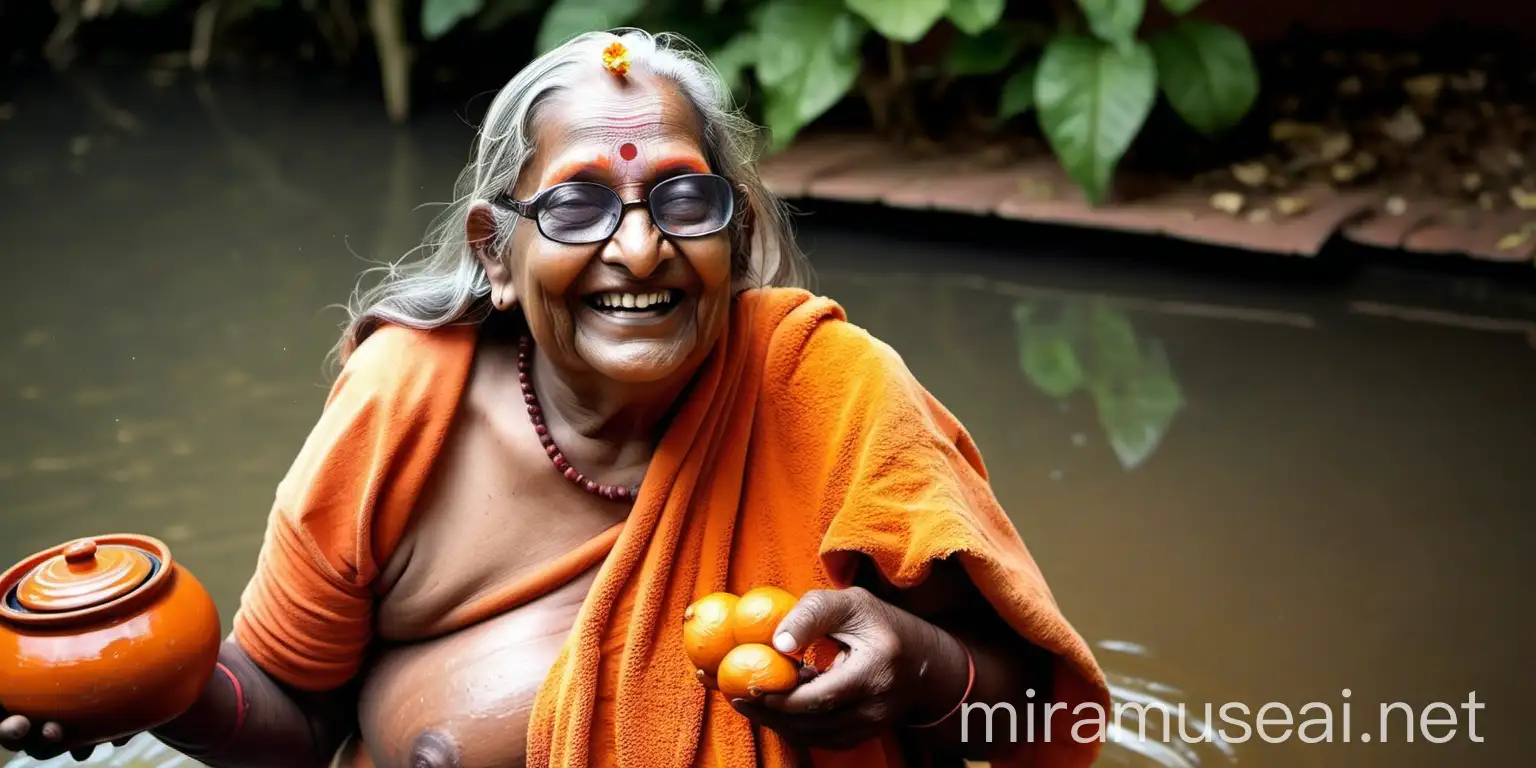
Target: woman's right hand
[[43, 741]]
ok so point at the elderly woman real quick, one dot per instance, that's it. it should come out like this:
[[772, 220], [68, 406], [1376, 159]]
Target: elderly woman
[[599, 397]]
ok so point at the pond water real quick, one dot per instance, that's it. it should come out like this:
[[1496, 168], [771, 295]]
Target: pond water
[[1242, 492]]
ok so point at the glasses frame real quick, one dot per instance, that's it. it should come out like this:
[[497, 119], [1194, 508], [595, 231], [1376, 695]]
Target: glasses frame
[[533, 206]]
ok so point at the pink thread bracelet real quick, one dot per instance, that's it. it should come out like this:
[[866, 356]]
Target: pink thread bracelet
[[240, 707]]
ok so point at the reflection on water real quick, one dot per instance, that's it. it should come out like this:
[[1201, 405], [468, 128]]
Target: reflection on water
[[1283, 494], [1074, 345]]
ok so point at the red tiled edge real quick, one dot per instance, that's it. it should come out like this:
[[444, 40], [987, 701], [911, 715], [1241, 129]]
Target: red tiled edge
[[861, 168], [1384, 228], [1483, 236]]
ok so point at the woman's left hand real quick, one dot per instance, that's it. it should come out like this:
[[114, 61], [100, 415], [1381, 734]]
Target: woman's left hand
[[896, 669]]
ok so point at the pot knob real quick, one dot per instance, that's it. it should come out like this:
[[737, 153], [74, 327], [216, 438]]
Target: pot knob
[[84, 575], [83, 551]]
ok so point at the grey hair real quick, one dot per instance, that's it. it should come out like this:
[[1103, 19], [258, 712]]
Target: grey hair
[[447, 284]]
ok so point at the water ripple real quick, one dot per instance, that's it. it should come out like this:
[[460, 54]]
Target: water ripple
[[1151, 723]]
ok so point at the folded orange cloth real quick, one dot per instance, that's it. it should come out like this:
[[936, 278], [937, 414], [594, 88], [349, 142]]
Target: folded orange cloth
[[803, 444]]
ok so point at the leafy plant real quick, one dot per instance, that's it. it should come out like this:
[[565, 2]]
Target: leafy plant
[[1094, 92], [1082, 68], [1091, 80]]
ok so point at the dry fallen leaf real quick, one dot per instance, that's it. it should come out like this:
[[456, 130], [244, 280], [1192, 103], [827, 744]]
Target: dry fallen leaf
[[1336, 146], [1525, 201], [1252, 174], [1292, 205], [1404, 127], [1514, 241], [1291, 130], [1228, 202], [1424, 86]]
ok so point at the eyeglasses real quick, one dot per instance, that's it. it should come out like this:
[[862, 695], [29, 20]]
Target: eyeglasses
[[582, 212]]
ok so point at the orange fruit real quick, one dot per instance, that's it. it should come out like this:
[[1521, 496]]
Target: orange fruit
[[707, 635], [759, 612], [753, 669]]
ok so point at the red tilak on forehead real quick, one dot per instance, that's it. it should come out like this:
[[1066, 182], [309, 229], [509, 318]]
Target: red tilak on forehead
[[628, 151]]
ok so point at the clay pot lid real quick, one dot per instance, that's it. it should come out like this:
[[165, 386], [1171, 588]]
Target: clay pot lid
[[84, 575]]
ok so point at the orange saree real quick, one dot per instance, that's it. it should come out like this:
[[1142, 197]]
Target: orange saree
[[804, 444]]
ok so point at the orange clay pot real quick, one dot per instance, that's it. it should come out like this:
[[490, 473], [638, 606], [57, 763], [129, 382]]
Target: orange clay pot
[[106, 636]]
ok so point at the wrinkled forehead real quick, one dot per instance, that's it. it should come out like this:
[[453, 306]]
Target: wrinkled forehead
[[624, 127]]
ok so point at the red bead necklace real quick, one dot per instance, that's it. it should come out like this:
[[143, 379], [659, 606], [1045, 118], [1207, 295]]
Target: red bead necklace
[[536, 415]]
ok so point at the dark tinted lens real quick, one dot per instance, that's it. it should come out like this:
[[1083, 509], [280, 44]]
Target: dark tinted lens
[[693, 205], [578, 213]]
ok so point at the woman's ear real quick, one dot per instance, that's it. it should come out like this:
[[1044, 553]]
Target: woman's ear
[[480, 231]]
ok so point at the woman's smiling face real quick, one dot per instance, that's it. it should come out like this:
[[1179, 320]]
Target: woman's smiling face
[[639, 306]]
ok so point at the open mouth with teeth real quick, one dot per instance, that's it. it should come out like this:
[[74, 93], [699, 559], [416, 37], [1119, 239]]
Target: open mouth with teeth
[[650, 303]]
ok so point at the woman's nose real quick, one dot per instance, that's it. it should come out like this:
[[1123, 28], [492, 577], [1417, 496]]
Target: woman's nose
[[637, 245]]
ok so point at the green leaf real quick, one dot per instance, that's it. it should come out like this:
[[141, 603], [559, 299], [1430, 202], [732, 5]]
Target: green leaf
[[439, 16], [1092, 99], [1114, 21], [901, 20], [1207, 73], [1018, 93], [1115, 354], [499, 12], [807, 60], [569, 18], [1046, 356], [1180, 7], [735, 57], [713, 6], [983, 54], [976, 16], [1137, 409]]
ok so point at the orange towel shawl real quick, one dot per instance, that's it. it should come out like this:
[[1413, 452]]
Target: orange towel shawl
[[803, 443]]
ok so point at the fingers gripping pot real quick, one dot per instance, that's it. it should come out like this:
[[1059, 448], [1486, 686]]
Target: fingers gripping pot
[[106, 636]]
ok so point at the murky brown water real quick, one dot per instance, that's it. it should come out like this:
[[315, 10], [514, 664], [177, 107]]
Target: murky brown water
[[1241, 493]]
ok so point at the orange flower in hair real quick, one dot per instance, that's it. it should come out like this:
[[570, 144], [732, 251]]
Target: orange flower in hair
[[616, 58]]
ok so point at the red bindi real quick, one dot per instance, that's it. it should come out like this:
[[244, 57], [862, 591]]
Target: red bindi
[[628, 151]]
